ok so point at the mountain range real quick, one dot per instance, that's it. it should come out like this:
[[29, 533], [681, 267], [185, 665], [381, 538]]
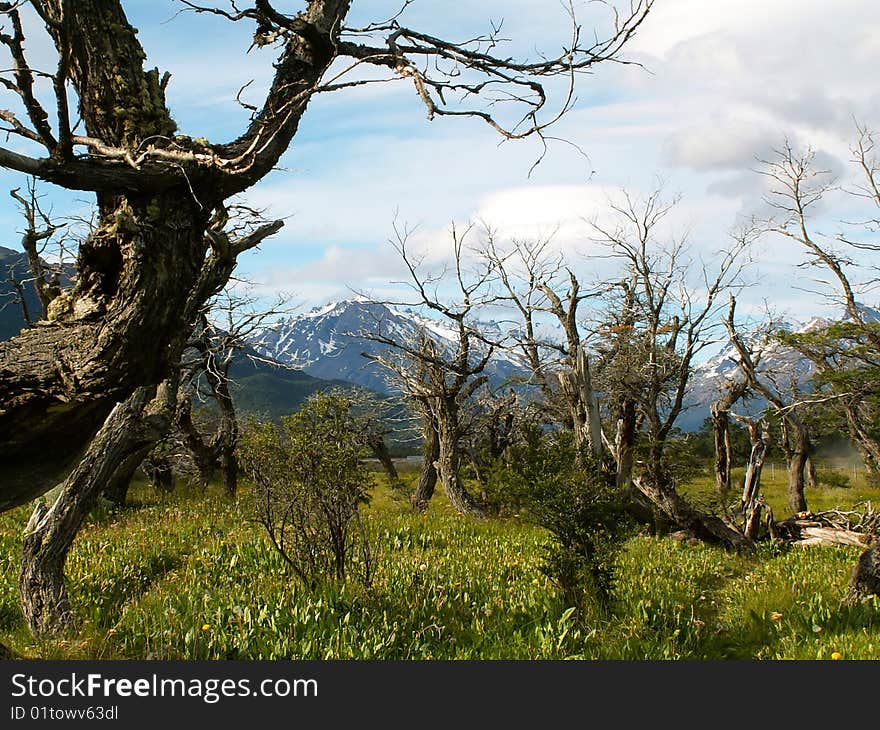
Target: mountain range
[[14, 267], [710, 378], [329, 342], [324, 348]]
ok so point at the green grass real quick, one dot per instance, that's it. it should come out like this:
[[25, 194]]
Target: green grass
[[774, 486], [190, 576]]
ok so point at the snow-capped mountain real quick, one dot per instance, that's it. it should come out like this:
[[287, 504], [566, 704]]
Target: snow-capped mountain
[[711, 377], [328, 342]]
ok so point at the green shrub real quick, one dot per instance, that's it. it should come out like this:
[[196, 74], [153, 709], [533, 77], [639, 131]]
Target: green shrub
[[580, 507], [310, 481], [834, 478]]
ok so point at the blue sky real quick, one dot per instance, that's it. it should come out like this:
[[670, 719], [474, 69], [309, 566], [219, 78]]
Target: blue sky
[[724, 81]]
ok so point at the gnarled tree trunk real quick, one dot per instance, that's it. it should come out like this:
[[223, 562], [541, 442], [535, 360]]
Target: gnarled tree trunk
[[865, 580], [428, 475], [203, 455], [143, 272], [113, 455], [583, 405], [226, 440], [58, 381], [624, 445], [448, 463], [751, 497], [721, 434]]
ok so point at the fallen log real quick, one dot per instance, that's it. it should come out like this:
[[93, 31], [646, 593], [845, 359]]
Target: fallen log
[[702, 525], [811, 534], [833, 527]]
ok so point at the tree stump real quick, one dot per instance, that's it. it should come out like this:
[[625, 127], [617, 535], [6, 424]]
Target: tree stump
[[865, 579]]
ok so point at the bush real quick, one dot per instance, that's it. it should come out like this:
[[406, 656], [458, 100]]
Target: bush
[[581, 508], [309, 483], [500, 495], [834, 478]]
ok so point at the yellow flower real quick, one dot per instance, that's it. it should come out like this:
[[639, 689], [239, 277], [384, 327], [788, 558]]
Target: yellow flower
[[206, 627], [837, 655]]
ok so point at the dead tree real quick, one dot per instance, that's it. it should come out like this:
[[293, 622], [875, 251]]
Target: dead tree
[[160, 193], [844, 353], [535, 283], [673, 307], [199, 452], [662, 312], [443, 377], [427, 483], [221, 336], [751, 502], [719, 412], [643, 332], [45, 278], [736, 389], [795, 442]]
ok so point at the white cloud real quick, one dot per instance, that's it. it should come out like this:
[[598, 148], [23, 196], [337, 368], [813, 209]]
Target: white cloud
[[726, 80]]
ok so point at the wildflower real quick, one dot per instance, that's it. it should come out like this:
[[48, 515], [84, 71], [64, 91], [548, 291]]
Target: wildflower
[[836, 655], [206, 627], [776, 615]]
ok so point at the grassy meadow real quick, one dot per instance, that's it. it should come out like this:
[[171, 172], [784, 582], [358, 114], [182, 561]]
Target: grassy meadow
[[191, 576]]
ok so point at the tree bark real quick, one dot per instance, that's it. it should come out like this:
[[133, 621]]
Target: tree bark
[[448, 462], [58, 381], [797, 464], [428, 475], [812, 481], [721, 432], [704, 526], [625, 445], [583, 405], [117, 490], [203, 455], [129, 428], [376, 444], [751, 503], [865, 580], [226, 440]]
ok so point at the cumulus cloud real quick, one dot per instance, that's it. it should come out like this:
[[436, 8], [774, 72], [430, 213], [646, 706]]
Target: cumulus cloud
[[722, 83]]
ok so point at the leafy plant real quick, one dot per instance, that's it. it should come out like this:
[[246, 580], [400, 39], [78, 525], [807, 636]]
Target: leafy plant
[[309, 483], [580, 507], [833, 478]]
